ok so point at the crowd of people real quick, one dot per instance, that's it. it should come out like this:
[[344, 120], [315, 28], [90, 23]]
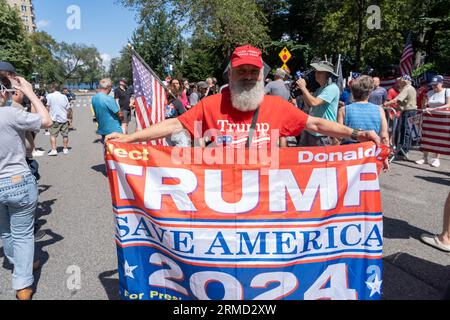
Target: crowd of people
[[321, 117]]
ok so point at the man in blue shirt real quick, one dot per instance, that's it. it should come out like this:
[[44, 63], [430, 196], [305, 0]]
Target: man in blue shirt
[[106, 110], [379, 94], [323, 104]]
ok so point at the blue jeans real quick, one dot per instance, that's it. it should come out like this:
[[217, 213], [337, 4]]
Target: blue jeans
[[18, 201]]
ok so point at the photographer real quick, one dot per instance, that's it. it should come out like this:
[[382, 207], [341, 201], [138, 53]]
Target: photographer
[[323, 104]]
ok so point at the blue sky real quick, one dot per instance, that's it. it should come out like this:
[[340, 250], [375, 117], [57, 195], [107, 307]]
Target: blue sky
[[103, 23]]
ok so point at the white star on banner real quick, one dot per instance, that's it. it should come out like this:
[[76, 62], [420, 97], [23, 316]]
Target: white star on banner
[[375, 286], [129, 270]]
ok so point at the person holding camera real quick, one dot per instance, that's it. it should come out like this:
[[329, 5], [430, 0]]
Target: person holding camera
[[323, 103]]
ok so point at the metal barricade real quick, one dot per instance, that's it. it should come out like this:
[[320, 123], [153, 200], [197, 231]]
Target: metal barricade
[[404, 134]]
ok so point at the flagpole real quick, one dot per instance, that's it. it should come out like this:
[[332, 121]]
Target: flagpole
[[131, 48]]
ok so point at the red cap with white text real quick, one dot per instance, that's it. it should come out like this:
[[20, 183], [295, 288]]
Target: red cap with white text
[[247, 55]]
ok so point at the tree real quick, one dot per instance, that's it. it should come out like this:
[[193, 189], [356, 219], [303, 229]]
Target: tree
[[225, 23], [80, 63], [15, 45], [121, 67], [158, 41], [44, 48], [200, 60]]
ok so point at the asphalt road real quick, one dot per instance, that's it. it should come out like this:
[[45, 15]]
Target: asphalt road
[[78, 251]]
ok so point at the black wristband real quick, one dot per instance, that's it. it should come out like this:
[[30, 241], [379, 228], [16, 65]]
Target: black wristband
[[354, 135]]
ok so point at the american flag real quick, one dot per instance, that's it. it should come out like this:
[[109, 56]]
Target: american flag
[[387, 83], [406, 61], [151, 99], [436, 132]]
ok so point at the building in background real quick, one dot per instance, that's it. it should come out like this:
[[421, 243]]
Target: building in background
[[25, 8]]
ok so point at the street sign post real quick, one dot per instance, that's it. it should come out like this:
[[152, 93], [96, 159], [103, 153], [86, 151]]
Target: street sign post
[[285, 56]]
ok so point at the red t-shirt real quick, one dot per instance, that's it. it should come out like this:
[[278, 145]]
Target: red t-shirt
[[217, 112], [392, 93]]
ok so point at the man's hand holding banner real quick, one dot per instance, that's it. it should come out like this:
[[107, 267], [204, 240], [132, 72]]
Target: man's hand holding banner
[[311, 228]]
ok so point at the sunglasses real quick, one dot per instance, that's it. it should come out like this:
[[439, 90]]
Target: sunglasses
[[4, 89]]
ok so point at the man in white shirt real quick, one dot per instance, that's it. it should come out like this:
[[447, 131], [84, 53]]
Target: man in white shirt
[[58, 106]]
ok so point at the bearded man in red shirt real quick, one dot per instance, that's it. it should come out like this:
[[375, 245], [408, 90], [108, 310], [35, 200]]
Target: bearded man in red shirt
[[242, 110]]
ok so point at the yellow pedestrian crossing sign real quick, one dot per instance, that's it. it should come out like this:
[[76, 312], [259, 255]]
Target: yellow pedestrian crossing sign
[[285, 55], [285, 68]]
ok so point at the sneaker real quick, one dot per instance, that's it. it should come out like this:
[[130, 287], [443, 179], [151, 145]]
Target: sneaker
[[434, 241], [435, 163], [66, 151], [37, 153], [421, 161], [52, 153], [47, 133]]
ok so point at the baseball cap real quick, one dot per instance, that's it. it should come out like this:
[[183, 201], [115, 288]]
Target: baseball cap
[[324, 66], [437, 79], [280, 73], [123, 80], [6, 66], [202, 84], [247, 55], [405, 77]]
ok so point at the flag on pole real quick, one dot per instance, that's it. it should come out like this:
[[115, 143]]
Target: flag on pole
[[150, 95], [406, 61]]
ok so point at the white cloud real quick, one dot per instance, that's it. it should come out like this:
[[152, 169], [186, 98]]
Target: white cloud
[[106, 60], [43, 23]]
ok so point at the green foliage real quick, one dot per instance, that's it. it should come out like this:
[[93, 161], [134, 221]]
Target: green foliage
[[15, 45], [121, 67], [79, 63], [44, 48], [309, 29], [225, 24], [158, 41], [424, 68]]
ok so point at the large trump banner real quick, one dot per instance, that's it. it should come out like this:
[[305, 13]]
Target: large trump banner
[[192, 223]]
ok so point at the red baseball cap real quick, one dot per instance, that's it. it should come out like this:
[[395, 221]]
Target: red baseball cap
[[246, 55]]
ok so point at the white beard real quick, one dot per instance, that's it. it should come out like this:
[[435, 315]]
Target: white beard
[[246, 97]]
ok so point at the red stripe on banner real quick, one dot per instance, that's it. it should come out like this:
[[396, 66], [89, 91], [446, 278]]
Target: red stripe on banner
[[434, 129], [437, 115], [445, 138], [437, 123]]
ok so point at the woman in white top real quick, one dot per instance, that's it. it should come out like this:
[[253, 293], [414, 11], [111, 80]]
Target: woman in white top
[[439, 97]]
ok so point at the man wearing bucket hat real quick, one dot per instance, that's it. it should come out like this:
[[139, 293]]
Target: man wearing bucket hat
[[323, 103], [244, 114], [407, 103], [407, 98]]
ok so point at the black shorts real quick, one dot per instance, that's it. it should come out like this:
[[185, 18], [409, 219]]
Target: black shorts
[[126, 115]]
